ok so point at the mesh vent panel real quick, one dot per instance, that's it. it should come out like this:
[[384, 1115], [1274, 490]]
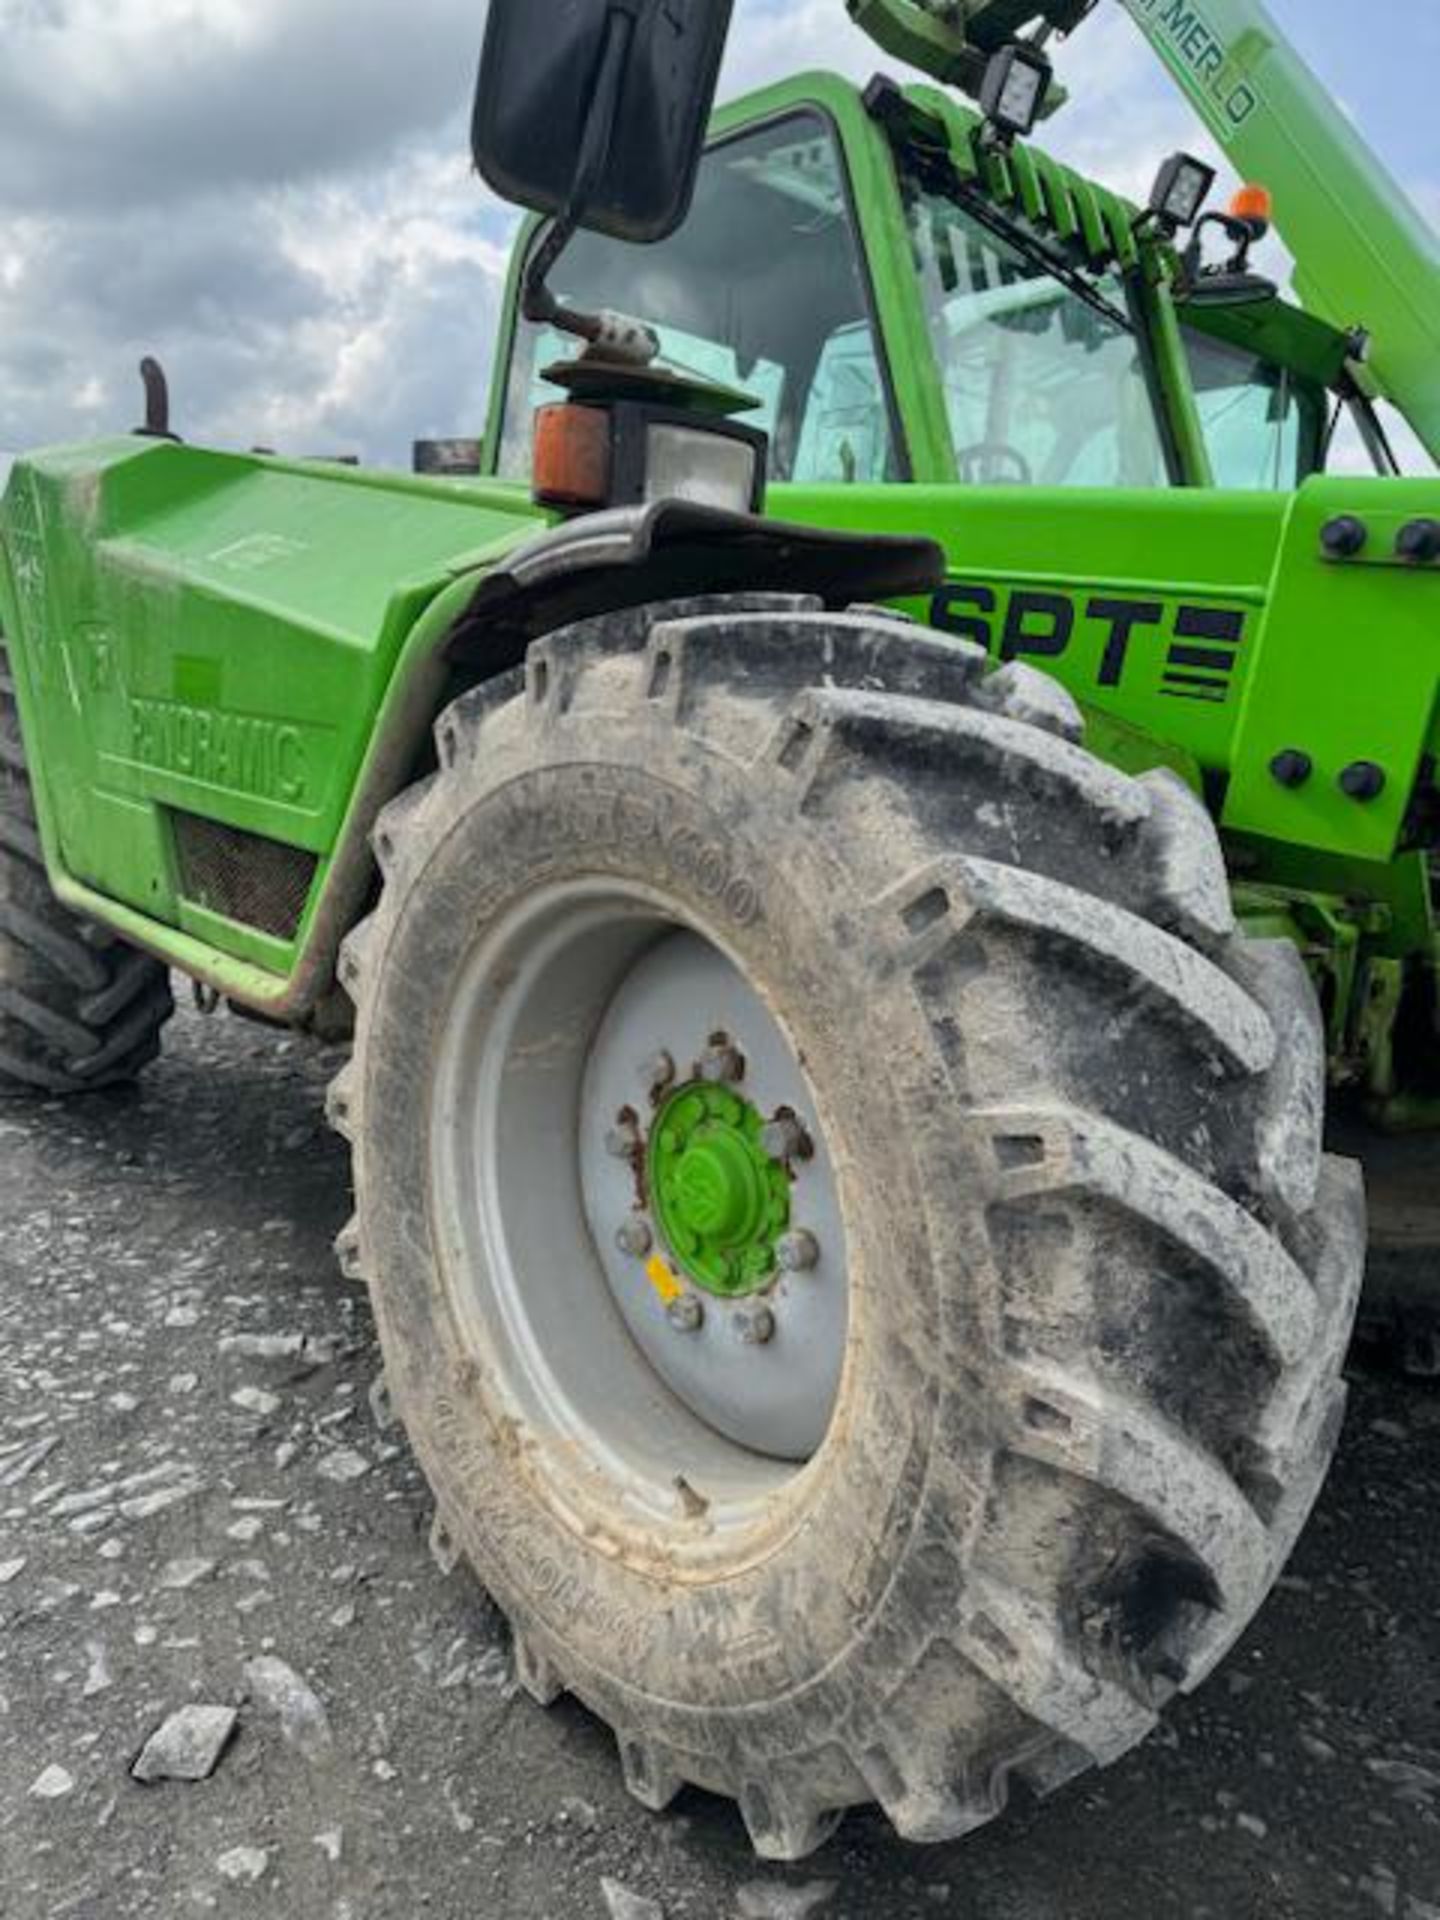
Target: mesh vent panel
[[262, 883]]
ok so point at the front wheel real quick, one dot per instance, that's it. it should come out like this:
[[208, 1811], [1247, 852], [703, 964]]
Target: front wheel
[[844, 1211]]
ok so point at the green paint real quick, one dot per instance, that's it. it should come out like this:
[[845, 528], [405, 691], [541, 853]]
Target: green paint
[[262, 642], [720, 1200], [1365, 255]]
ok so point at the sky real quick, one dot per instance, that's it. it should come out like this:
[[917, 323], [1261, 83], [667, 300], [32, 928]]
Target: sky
[[275, 196]]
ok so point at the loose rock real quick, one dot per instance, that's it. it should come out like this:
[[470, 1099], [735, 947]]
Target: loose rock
[[255, 1400], [243, 1863], [52, 1784], [187, 1746], [278, 1689], [1405, 1775], [98, 1677], [770, 1900], [342, 1465], [625, 1905], [179, 1575]]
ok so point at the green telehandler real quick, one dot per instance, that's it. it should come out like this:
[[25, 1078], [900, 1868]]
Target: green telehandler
[[857, 850]]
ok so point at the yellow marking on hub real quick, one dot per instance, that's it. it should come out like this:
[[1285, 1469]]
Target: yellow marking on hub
[[657, 1272]]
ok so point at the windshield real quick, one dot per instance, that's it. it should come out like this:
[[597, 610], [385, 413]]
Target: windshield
[[1264, 425], [762, 288], [1044, 381]]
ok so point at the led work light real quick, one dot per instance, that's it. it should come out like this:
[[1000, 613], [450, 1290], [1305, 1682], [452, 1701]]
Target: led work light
[[1181, 189], [1012, 95]]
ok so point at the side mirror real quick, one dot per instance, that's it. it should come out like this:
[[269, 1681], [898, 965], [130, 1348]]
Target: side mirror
[[595, 111]]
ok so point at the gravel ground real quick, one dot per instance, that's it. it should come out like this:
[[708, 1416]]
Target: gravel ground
[[197, 1508]]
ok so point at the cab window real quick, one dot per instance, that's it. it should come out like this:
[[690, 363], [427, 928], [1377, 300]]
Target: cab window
[[1043, 379], [1264, 426], [762, 288]]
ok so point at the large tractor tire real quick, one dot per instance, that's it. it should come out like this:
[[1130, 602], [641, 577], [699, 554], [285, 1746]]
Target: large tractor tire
[[844, 1211], [79, 1009]]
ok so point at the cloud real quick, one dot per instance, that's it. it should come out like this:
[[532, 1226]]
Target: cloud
[[275, 197], [114, 103]]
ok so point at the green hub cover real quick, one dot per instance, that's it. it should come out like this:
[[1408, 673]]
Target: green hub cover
[[720, 1200]]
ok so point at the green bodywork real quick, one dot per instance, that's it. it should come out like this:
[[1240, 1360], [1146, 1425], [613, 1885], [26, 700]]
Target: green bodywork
[[261, 644]]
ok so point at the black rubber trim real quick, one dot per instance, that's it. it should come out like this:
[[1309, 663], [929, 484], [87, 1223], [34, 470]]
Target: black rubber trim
[[605, 562]]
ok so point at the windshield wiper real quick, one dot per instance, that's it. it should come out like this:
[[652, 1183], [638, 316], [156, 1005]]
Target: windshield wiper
[[945, 180], [1036, 253]]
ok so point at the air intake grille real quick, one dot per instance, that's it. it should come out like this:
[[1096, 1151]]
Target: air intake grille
[[262, 883]]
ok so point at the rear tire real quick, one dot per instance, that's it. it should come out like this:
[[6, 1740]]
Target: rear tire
[[79, 1009], [1099, 1277]]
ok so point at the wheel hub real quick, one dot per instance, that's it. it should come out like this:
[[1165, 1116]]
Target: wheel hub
[[712, 1200], [719, 1199]]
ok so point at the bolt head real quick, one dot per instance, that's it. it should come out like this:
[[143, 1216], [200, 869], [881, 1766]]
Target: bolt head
[[658, 1072], [1419, 542], [1344, 537], [635, 1238], [782, 1138], [686, 1314], [623, 1140], [722, 1064], [1362, 780], [797, 1251], [756, 1326], [1291, 768]]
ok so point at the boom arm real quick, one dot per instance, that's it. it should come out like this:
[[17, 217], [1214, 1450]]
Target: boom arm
[[1364, 257]]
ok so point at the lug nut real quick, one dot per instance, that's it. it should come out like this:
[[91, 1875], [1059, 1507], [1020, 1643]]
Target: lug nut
[[686, 1314], [783, 1138], [722, 1062], [635, 1238], [756, 1326], [658, 1072], [797, 1251], [622, 1142]]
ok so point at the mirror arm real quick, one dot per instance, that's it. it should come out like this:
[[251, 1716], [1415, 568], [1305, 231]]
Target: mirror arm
[[538, 303]]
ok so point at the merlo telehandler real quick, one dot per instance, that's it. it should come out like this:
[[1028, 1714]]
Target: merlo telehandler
[[858, 848]]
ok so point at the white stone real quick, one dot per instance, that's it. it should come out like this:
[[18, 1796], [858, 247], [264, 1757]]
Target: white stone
[[9, 1569], [255, 1400], [771, 1900], [625, 1905], [146, 1504], [52, 1784], [278, 1689], [342, 1465], [242, 1863], [99, 1677], [178, 1575]]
